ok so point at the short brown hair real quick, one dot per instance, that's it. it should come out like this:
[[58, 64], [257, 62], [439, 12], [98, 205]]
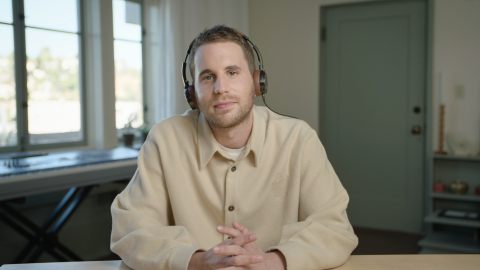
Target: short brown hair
[[221, 33]]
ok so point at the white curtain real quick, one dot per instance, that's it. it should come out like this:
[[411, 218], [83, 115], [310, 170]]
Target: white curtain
[[171, 26]]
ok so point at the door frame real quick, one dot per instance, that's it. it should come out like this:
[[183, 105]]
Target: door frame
[[428, 107]]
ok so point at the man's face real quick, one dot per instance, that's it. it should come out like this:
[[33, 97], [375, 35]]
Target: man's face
[[223, 84]]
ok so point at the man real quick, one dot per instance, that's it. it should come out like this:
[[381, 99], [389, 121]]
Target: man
[[210, 177]]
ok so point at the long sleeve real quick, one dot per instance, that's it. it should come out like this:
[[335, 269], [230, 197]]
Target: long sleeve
[[143, 232], [323, 237], [282, 188]]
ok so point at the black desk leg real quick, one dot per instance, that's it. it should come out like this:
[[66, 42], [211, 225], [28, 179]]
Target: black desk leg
[[51, 239], [43, 239], [35, 240]]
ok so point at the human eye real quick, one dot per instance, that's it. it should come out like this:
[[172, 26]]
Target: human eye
[[207, 78], [232, 73]]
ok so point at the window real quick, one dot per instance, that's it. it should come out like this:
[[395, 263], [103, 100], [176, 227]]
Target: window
[[128, 33], [48, 81], [8, 105]]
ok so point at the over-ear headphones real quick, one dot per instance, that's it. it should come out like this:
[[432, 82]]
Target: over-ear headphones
[[259, 76]]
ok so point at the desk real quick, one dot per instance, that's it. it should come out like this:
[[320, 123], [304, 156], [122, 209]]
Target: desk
[[355, 262], [411, 262], [103, 265], [79, 171], [63, 170]]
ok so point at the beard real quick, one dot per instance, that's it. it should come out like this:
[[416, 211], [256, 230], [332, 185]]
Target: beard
[[218, 120]]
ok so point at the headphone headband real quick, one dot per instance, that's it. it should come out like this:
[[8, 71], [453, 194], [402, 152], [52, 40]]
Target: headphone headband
[[257, 51]]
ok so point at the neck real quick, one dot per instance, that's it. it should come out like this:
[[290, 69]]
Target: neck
[[235, 137]]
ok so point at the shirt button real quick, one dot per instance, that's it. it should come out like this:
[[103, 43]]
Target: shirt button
[[231, 208], [234, 168]]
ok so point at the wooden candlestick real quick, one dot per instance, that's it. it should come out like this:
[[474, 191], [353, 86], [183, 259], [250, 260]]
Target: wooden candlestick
[[440, 138]]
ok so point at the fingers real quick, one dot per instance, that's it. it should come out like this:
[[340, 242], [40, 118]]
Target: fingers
[[244, 260], [230, 250], [239, 241], [229, 231], [244, 239], [237, 231], [236, 262], [225, 242], [239, 227], [235, 256]]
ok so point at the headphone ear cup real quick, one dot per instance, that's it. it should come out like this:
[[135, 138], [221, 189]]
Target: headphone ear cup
[[260, 81], [190, 96], [256, 82], [191, 90], [263, 82]]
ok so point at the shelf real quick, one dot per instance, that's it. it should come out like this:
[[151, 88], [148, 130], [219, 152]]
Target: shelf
[[434, 218], [449, 196], [450, 242], [456, 158]]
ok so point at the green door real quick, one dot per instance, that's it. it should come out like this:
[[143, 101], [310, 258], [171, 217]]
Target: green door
[[372, 109]]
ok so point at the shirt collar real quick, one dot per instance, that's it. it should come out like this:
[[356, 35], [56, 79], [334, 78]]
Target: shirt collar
[[208, 145]]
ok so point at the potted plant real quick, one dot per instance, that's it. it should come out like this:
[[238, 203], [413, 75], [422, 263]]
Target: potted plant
[[144, 129], [128, 131]]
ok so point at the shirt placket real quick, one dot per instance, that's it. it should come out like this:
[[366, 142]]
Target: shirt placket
[[231, 203]]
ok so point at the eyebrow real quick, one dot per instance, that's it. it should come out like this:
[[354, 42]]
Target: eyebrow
[[234, 67], [203, 72]]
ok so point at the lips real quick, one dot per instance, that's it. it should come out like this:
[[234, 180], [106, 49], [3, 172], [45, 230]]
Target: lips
[[224, 105]]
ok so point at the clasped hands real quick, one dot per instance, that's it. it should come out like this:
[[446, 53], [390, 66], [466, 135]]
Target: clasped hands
[[239, 253]]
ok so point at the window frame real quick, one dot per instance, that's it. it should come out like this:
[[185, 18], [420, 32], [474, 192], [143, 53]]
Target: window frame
[[144, 66], [21, 90], [18, 96]]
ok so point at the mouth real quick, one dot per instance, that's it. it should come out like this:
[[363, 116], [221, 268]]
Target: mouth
[[224, 105]]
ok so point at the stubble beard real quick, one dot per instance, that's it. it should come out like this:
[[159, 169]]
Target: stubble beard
[[216, 120]]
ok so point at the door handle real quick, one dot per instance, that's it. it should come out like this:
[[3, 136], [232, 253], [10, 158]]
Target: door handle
[[416, 130]]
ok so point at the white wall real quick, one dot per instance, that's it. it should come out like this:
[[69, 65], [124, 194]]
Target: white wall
[[456, 62], [288, 33], [173, 24]]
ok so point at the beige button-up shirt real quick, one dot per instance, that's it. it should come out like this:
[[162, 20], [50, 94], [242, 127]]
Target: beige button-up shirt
[[282, 188]]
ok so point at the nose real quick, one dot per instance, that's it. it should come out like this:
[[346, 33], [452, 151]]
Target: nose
[[221, 86]]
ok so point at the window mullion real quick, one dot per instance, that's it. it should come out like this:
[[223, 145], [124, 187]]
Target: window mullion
[[20, 74], [144, 65], [82, 68]]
